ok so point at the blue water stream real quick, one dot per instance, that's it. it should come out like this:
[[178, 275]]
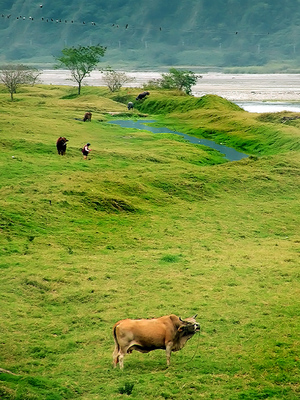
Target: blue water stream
[[229, 153]]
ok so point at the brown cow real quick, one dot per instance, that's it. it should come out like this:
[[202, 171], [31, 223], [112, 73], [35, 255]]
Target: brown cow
[[169, 333], [61, 145], [87, 116]]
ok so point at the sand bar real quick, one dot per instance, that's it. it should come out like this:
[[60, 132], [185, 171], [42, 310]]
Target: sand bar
[[238, 87]]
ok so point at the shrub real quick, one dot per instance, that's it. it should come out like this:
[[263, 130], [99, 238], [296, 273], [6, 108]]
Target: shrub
[[127, 388]]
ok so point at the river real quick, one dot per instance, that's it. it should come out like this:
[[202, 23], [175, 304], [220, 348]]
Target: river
[[228, 152], [253, 92]]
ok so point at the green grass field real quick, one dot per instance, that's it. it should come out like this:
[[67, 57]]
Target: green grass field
[[149, 225]]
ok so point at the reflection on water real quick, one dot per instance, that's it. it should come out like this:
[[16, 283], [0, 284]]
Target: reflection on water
[[229, 153], [268, 106]]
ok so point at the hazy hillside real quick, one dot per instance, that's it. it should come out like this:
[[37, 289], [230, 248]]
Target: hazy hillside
[[217, 33]]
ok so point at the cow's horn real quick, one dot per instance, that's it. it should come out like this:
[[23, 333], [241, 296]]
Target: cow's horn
[[195, 316], [180, 319]]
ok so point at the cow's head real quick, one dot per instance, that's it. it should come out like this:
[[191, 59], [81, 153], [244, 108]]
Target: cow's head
[[189, 325]]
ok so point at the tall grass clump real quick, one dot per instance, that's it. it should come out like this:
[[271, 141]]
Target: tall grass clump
[[147, 226]]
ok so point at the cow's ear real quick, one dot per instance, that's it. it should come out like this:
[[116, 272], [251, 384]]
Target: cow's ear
[[181, 328]]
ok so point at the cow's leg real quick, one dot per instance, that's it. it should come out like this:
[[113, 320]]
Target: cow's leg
[[116, 356], [121, 360], [168, 352]]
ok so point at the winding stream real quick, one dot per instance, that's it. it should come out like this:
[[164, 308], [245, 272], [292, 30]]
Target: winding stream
[[229, 153]]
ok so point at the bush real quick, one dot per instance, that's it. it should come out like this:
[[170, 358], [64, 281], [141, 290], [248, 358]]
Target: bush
[[126, 389], [174, 79]]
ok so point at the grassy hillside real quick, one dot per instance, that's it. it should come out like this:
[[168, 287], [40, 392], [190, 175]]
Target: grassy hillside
[[149, 225]]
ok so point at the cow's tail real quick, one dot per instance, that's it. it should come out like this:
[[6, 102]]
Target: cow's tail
[[115, 337], [117, 346]]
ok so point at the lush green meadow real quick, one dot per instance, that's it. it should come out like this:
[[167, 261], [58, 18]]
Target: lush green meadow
[[149, 225]]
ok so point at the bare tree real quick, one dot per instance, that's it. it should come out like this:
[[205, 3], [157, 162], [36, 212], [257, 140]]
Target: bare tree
[[115, 80], [15, 75]]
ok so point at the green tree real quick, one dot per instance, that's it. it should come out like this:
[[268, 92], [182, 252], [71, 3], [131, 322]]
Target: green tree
[[181, 80], [15, 75], [81, 61]]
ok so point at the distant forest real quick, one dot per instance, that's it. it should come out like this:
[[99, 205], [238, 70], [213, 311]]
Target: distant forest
[[156, 33]]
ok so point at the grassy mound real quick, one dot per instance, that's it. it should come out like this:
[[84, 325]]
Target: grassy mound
[[218, 119], [184, 104], [149, 225]]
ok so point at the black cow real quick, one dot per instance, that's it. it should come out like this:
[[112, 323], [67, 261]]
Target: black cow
[[142, 95], [130, 105], [61, 145]]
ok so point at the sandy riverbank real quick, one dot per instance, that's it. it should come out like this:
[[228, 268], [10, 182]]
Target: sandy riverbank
[[239, 87]]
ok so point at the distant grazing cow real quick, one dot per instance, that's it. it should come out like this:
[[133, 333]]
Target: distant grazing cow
[[61, 145], [130, 105], [142, 95], [87, 116], [169, 333]]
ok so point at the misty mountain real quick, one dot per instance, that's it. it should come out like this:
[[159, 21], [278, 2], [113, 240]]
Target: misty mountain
[[219, 33]]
